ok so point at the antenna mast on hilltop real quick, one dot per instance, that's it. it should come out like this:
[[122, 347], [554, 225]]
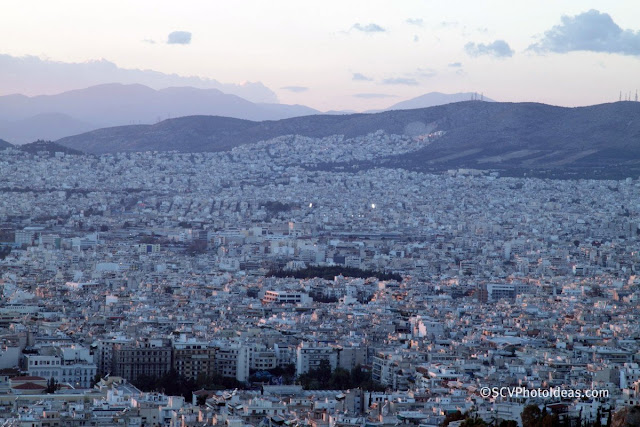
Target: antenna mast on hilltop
[[636, 95], [620, 96]]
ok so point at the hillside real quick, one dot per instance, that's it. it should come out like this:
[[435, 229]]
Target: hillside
[[4, 144], [596, 141], [483, 135], [41, 146]]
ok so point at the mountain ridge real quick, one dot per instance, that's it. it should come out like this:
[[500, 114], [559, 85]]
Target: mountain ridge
[[481, 135], [433, 99], [115, 104], [24, 119], [5, 144]]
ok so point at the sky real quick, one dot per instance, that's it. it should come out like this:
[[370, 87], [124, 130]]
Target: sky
[[329, 55]]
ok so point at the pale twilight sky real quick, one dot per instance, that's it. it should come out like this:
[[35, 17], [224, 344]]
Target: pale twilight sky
[[348, 54]]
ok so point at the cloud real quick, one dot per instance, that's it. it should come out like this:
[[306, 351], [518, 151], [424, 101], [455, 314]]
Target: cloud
[[418, 22], [369, 28], [400, 81], [361, 77], [426, 72], [150, 41], [589, 31], [497, 49], [179, 37], [31, 75], [448, 24], [295, 89], [416, 38], [374, 95], [455, 65]]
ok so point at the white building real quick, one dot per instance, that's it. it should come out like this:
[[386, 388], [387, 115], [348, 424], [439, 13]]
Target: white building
[[73, 365], [309, 356], [285, 297]]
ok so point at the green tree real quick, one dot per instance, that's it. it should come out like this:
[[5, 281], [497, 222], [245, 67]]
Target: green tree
[[531, 416], [323, 378], [358, 376], [52, 386], [323, 371], [341, 379], [549, 420], [452, 416], [4, 251], [473, 422], [96, 379], [598, 422], [201, 400]]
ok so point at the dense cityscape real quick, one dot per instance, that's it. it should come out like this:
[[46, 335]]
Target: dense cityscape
[[274, 285]]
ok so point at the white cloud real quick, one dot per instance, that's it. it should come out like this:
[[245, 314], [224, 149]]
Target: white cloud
[[179, 37]]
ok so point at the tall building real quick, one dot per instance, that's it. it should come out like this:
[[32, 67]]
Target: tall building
[[233, 361], [192, 358], [104, 353], [151, 358]]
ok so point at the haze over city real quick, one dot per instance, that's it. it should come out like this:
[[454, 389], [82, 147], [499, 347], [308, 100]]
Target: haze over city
[[329, 55]]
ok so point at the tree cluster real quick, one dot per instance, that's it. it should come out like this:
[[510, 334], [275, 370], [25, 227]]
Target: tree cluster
[[329, 272], [532, 416], [323, 378], [288, 374], [277, 207], [4, 251], [173, 384], [52, 386]]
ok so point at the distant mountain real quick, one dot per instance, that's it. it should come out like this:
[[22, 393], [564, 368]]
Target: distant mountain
[[24, 119], [482, 135], [30, 74], [433, 99]]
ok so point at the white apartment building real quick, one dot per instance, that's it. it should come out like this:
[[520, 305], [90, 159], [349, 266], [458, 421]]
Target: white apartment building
[[285, 297], [309, 356], [73, 365]]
